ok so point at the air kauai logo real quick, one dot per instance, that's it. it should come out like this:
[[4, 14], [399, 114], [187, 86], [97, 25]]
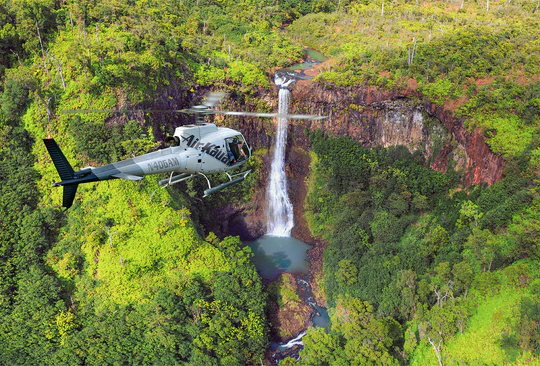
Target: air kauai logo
[[211, 149]]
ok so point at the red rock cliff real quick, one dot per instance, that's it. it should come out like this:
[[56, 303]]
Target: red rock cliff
[[381, 118]]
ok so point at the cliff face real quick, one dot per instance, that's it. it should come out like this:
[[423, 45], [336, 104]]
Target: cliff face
[[373, 118], [381, 118]]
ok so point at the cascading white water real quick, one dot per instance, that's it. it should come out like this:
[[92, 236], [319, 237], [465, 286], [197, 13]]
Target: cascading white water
[[280, 216]]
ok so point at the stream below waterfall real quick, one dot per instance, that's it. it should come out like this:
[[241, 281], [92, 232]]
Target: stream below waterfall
[[277, 252], [274, 255]]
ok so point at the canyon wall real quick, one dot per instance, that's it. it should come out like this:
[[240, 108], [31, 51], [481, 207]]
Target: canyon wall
[[373, 118], [382, 118]]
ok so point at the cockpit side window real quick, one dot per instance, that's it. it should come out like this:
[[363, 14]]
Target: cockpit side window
[[237, 149]]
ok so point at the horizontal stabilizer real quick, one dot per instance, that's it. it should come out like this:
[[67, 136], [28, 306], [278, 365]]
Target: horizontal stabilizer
[[60, 162], [127, 176]]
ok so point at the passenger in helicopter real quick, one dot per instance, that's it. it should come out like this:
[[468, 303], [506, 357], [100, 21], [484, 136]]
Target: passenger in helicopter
[[232, 160], [241, 150], [236, 150]]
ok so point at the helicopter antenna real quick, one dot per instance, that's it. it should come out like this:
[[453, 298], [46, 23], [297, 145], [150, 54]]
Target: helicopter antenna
[[213, 98]]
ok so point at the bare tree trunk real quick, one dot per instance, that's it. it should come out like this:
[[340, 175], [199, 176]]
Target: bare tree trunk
[[110, 235], [42, 50], [60, 70], [61, 75], [49, 112], [437, 349], [411, 52], [71, 20]]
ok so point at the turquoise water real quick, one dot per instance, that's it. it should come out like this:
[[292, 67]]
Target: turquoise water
[[322, 319], [296, 71], [312, 58], [274, 255]]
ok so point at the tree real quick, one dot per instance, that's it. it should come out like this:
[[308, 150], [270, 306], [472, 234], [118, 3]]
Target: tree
[[367, 338], [321, 348], [463, 277], [441, 283], [528, 325], [437, 326], [481, 248], [409, 293], [436, 240], [469, 215], [347, 272]]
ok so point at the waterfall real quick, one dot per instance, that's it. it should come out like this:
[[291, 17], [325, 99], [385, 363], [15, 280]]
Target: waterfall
[[280, 209]]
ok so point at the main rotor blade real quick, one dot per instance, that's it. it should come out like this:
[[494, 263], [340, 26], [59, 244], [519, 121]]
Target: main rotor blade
[[271, 115], [203, 111], [120, 111], [251, 114]]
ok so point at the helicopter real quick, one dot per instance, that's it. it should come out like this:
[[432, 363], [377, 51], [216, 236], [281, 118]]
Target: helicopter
[[195, 149]]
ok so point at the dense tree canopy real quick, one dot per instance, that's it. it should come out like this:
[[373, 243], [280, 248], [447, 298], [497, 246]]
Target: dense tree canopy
[[128, 275]]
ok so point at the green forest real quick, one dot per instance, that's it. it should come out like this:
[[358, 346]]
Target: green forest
[[419, 268]]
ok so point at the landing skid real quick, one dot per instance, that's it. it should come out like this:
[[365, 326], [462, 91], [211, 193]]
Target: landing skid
[[241, 176]]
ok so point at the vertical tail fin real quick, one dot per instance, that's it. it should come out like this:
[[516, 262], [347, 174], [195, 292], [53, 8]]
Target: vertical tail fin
[[64, 170], [62, 165]]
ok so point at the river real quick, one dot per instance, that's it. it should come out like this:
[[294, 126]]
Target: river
[[274, 255]]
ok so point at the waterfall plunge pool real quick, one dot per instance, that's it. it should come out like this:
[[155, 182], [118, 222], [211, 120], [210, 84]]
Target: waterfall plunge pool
[[274, 255]]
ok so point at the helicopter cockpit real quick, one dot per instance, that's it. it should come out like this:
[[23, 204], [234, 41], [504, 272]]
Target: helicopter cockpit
[[238, 149]]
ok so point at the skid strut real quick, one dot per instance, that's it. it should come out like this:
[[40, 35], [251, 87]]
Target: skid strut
[[173, 180], [233, 179]]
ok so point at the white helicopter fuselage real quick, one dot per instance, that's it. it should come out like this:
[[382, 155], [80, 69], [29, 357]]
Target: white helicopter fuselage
[[201, 148]]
